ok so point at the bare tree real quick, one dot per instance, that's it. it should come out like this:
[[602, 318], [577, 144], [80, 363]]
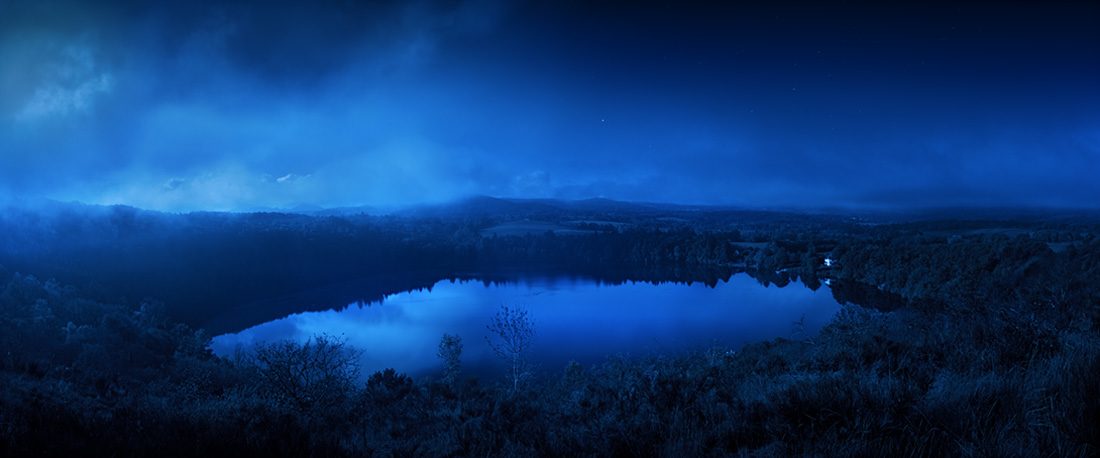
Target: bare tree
[[798, 330], [513, 332], [314, 376]]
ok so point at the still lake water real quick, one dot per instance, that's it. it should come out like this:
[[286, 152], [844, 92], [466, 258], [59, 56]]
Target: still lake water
[[575, 319]]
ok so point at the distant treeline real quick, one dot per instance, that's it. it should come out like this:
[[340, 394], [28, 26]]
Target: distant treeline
[[201, 264]]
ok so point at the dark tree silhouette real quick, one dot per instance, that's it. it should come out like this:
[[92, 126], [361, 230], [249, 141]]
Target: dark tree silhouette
[[312, 377], [514, 333], [450, 351]]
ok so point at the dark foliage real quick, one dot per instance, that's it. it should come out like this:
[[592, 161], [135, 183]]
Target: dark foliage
[[990, 347]]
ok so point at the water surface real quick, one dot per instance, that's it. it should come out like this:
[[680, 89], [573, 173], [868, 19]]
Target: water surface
[[575, 319]]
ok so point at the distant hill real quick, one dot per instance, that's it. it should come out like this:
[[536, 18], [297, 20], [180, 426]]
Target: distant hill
[[481, 206], [592, 205]]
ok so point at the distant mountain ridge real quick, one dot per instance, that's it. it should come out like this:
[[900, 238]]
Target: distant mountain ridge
[[520, 208]]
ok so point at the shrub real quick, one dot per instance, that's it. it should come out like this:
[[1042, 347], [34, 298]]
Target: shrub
[[315, 378]]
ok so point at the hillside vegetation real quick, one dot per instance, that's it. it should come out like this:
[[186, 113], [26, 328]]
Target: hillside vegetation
[[992, 350]]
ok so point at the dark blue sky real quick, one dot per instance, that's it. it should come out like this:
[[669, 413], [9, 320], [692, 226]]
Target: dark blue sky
[[238, 105]]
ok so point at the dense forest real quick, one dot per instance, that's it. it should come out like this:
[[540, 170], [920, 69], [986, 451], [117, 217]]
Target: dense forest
[[978, 336]]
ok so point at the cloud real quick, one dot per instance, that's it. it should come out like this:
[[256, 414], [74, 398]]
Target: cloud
[[291, 178], [401, 171], [59, 100], [223, 188], [532, 184], [69, 81], [174, 183], [237, 105]]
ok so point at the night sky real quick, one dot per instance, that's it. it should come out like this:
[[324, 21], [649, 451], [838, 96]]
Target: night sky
[[202, 105]]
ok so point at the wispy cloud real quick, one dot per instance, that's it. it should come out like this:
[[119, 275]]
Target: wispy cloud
[[70, 82]]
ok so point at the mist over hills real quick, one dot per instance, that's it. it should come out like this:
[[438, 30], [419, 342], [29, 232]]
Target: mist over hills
[[485, 206]]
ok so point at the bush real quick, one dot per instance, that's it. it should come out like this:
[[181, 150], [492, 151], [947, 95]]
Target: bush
[[316, 378]]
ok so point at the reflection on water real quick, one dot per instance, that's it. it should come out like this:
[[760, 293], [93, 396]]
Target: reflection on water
[[576, 319]]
